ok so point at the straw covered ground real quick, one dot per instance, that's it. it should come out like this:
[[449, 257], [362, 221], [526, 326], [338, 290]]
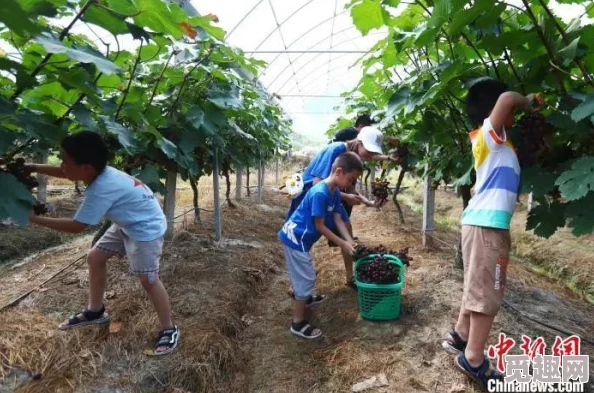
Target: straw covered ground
[[231, 303]]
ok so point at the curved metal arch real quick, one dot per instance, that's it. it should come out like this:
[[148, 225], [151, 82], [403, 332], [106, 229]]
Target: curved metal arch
[[301, 68], [302, 54], [316, 79], [278, 25], [243, 19], [318, 55]]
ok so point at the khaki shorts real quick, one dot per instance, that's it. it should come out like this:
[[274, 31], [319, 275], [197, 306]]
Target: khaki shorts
[[486, 255], [144, 257]]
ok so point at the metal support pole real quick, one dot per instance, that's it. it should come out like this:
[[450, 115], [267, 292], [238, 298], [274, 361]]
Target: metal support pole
[[530, 202], [428, 212], [371, 177], [238, 179], [215, 190], [42, 180], [276, 172], [259, 195], [169, 208]]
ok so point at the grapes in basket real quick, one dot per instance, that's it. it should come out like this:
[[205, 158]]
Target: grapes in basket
[[361, 251], [379, 271]]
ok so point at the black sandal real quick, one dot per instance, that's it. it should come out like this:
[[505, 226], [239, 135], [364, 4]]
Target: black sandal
[[304, 330], [168, 338], [455, 346], [87, 317]]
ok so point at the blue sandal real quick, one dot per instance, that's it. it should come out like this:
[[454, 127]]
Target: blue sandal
[[482, 374]]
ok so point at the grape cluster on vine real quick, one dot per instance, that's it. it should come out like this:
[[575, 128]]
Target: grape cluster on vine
[[379, 188], [361, 251], [379, 271], [533, 139], [18, 169]]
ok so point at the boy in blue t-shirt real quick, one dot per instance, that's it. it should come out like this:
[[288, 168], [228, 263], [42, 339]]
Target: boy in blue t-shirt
[[367, 146], [319, 213], [137, 231]]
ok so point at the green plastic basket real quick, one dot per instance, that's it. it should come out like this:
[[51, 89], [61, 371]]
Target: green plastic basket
[[379, 302]]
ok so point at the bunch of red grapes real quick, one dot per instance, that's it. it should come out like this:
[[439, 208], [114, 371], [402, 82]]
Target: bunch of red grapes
[[380, 271], [379, 188], [532, 140], [362, 251], [18, 169]]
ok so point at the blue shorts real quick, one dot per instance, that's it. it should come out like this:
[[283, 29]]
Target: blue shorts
[[301, 272]]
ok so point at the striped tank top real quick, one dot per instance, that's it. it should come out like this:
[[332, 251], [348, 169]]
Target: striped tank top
[[497, 180]]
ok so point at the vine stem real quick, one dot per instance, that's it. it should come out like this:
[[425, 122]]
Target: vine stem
[[136, 62], [181, 88], [544, 41], [175, 52], [62, 35], [511, 64], [577, 61]]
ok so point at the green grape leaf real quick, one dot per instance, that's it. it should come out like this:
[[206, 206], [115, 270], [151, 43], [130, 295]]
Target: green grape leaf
[[37, 126], [441, 13], [367, 15], [567, 54], [581, 215], [463, 18], [537, 181], [105, 19], [138, 33], [584, 110], [545, 219], [13, 16], [157, 16], [15, 201], [125, 135], [7, 139], [80, 79], [78, 53], [579, 180], [226, 99], [167, 147], [84, 116], [7, 107], [149, 175], [195, 116]]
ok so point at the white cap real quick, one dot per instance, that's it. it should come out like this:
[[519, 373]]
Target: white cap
[[372, 139]]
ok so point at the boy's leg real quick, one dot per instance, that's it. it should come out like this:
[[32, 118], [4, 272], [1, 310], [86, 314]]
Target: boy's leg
[[110, 244], [485, 276], [303, 280], [97, 261], [144, 262]]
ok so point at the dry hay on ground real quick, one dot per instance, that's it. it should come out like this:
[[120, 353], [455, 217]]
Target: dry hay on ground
[[407, 350], [210, 288]]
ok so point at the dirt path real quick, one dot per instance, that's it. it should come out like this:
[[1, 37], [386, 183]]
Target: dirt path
[[406, 350]]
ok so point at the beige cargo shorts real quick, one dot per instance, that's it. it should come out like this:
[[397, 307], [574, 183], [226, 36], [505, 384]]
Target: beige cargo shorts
[[144, 257], [486, 256]]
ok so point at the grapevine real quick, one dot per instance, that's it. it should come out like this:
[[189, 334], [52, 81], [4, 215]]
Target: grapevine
[[379, 271], [18, 169]]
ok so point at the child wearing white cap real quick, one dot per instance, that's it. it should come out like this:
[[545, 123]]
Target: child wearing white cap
[[368, 146]]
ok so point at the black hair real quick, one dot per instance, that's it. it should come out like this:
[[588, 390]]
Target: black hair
[[482, 97], [363, 120], [348, 162], [86, 147]]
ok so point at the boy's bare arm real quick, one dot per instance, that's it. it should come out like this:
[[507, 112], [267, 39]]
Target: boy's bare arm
[[506, 104], [50, 170], [327, 233], [343, 228], [59, 224]]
